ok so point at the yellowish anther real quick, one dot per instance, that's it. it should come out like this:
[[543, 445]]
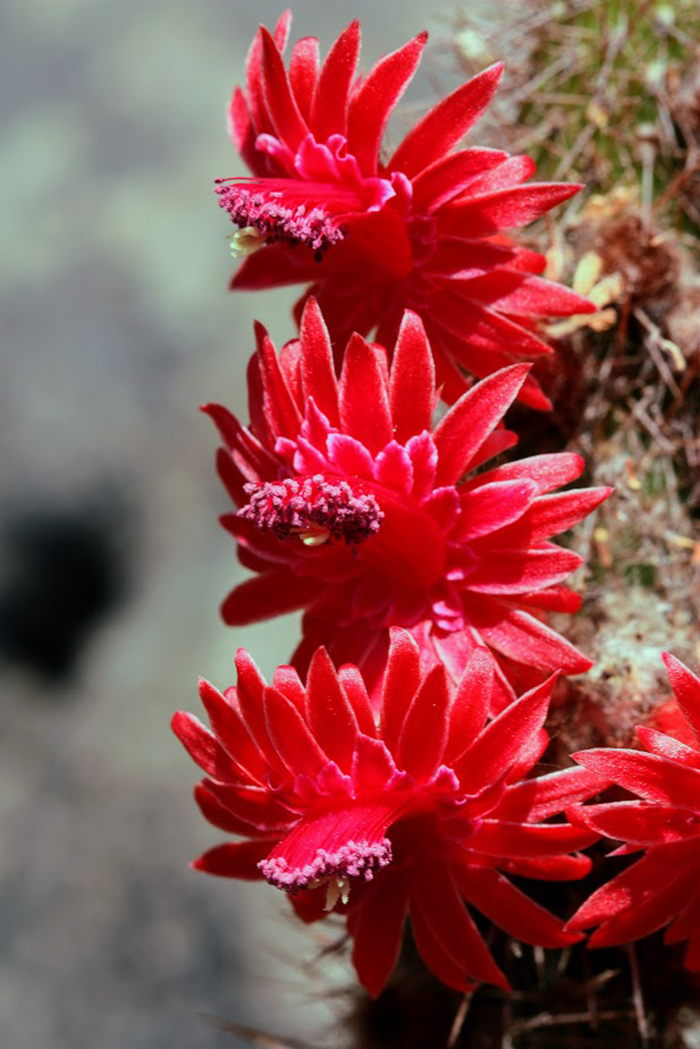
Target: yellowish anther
[[337, 888], [314, 536], [246, 241]]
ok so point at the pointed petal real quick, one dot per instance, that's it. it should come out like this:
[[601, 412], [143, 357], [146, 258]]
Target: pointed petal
[[548, 471], [203, 747], [511, 910], [686, 687], [412, 391], [668, 747], [363, 400], [462, 431], [537, 799], [495, 837], [317, 368], [303, 71], [239, 860], [291, 737], [446, 123], [436, 900], [501, 743], [353, 686], [268, 595], [471, 704], [525, 639], [516, 571], [284, 112], [401, 682], [330, 102], [449, 176], [637, 823], [650, 777], [378, 931], [372, 103], [503, 209], [424, 731], [330, 716], [493, 506]]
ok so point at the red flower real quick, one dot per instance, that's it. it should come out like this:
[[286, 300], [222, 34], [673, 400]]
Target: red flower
[[412, 811], [355, 510], [420, 231], [663, 887]]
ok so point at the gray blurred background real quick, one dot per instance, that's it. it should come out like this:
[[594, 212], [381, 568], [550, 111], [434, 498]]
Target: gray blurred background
[[116, 324]]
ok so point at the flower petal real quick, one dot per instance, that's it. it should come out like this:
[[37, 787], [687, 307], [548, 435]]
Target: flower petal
[[401, 682], [239, 860], [378, 931], [330, 103], [650, 777], [686, 687], [412, 391], [511, 910], [363, 400], [423, 735], [446, 123], [461, 432], [373, 101]]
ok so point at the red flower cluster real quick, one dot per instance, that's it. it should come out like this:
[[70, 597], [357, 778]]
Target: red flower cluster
[[421, 231], [663, 887], [355, 507], [401, 786], [407, 811]]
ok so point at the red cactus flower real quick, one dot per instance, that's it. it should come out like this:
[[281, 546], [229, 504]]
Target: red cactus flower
[[353, 506], [663, 887], [422, 230], [409, 811]]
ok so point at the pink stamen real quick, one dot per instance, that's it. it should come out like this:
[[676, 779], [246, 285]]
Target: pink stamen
[[349, 861], [313, 509], [276, 222]]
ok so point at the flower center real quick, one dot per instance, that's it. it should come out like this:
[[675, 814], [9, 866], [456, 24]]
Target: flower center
[[352, 860], [275, 222], [313, 509]]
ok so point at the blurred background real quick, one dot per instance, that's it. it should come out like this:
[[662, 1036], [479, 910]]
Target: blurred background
[[116, 324]]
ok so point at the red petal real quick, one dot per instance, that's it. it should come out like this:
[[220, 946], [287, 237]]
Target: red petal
[[686, 687], [378, 930], [549, 868], [303, 71], [516, 571], [495, 837], [424, 731], [551, 514], [471, 704], [511, 172], [218, 814], [652, 778], [462, 431], [281, 411], [435, 899], [412, 390], [239, 860], [638, 823], [446, 123], [363, 400], [503, 209], [354, 688], [274, 267], [330, 103], [330, 716], [373, 102], [290, 736], [668, 747], [547, 471], [401, 681], [537, 799], [525, 296], [230, 729], [317, 368], [492, 506], [525, 639], [268, 595], [511, 910], [203, 747], [625, 890], [646, 915], [449, 176], [501, 743], [288, 122]]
